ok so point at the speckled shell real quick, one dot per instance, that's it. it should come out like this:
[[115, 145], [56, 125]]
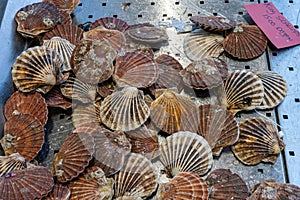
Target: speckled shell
[[92, 184], [24, 134], [243, 91], [258, 141], [106, 88], [275, 89], [110, 23], [54, 98], [245, 42], [66, 5], [224, 184], [59, 192], [92, 61], [26, 103], [186, 152], [136, 69], [11, 163], [184, 186], [124, 110], [213, 23], [86, 114], [37, 18], [73, 157], [37, 69], [137, 178], [205, 74], [202, 44], [26, 184]]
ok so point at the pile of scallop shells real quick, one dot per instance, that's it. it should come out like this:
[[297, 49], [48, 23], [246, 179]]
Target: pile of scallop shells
[[128, 110]]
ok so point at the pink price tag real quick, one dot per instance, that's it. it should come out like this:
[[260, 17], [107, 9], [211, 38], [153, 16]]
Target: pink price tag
[[275, 26]]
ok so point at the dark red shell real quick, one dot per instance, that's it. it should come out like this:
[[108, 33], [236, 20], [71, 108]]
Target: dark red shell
[[110, 23], [54, 98], [213, 23]]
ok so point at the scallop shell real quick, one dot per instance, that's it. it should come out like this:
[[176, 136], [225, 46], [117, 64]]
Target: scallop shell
[[275, 89], [203, 44], [136, 179], [136, 69], [24, 134], [64, 17], [73, 157], [186, 152], [184, 186], [223, 184], [59, 192], [205, 74], [106, 88], [258, 141], [245, 42], [243, 91], [213, 23], [92, 61], [26, 103], [86, 114], [37, 69], [68, 6], [11, 163], [54, 98], [110, 23], [125, 109], [37, 18]]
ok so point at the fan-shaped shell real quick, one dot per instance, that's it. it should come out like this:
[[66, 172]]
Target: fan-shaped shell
[[106, 88], [223, 184], [24, 134], [213, 23], [66, 5], [11, 163], [37, 69], [245, 42], [186, 152], [54, 98], [37, 18], [185, 186], [26, 103], [26, 184], [64, 17], [243, 91], [275, 89], [258, 141], [136, 69], [110, 23], [205, 74], [73, 156], [59, 192], [136, 179], [124, 110], [86, 114]]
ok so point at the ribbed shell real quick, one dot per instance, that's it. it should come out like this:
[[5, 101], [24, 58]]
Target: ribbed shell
[[37, 69], [106, 88], [245, 42], [26, 184], [66, 5], [73, 157], [136, 69], [59, 192], [258, 141], [184, 186], [124, 110], [54, 98], [186, 152], [110, 23], [275, 89], [11, 163], [213, 23], [223, 184], [24, 134], [137, 178], [26, 103], [86, 114], [64, 17], [243, 90]]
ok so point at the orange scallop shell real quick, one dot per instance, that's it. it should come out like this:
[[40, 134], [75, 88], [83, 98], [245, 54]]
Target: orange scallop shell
[[66, 5], [54, 98], [110, 23], [59, 192], [11, 163], [213, 23], [86, 114]]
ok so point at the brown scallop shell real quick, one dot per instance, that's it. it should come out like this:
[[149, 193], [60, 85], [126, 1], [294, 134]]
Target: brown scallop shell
[[110, 23], [37, 18], [59, 192], [186, 152], [73, 157], [204, 74], [54, 98], [245, 42], [92, 61], [26, 184], [137, 178], [26, 103], [106, 88], [66, 5], [258, 141], [136, 69], [37, 69], [11, 163], [224, 184], [184, 186], [86, 114], [275, 89], [213, 23], [64, 18], [24, 134]]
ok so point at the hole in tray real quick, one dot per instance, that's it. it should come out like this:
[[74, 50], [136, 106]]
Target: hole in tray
[[296, 26], [61, 116], [226, 1], [140, 16], [177, 54], [251, 0], [291, 1], [80, 4], [260, 170], [285, 116], [297, 100], [55, 151], [90, 16], [291, 68], [152, 3], [201, 2], [190, 14], [292, 153], [281, 13], [115, 16], [103, 4], [177, 3], [247, 67], [240, 13], [164, 15], [265, 1], [215, 14], [269, 114], [274, 54]]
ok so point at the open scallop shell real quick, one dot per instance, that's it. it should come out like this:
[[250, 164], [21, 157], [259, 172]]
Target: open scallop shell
[[59, 192], [186, 152], [223, 184], [66, 5], [137, 178], [37, 69], [26, 103], [213, 23], [106, 88], [258, 141], [275, 89], [245, 42], [64, 17], [11, 163], [26, 184], [110, 23], [86, 114], [54, 98], [125, 109], [184, 186]]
